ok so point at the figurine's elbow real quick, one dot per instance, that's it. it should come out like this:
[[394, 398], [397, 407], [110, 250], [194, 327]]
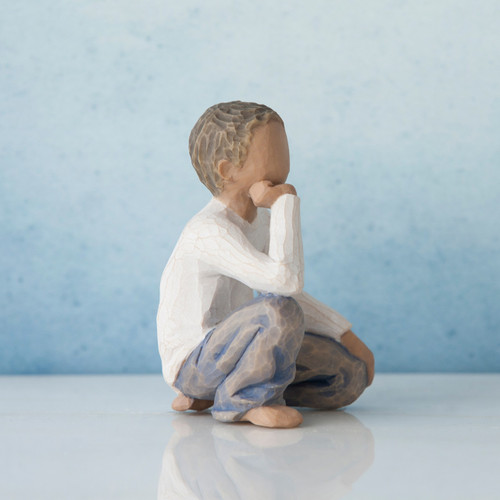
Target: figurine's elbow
[[298, 283], [296, 288], [291, 282]]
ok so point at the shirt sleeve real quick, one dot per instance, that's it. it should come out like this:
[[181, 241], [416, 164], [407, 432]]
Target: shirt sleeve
[[227, 251], [321, 319]]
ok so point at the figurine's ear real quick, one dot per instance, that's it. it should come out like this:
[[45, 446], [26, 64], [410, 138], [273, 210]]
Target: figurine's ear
[[225, 169]]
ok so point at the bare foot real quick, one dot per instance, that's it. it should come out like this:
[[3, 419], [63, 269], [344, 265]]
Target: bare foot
[[183, 403], [273, 416]]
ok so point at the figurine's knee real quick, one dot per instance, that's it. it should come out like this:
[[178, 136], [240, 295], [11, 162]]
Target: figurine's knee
[[284, 312], [354, 386]]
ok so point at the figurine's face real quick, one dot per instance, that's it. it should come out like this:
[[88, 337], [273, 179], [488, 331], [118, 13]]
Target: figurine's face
[[268, 158]]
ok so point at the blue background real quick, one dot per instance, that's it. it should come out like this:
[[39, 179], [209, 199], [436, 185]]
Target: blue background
[[392, 110]]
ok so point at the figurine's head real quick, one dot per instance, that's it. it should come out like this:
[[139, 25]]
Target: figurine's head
[[222, 133]]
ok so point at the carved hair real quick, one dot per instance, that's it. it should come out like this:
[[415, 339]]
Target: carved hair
[[224, 132]]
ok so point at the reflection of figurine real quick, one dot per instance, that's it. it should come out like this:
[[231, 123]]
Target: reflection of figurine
[[250, 357], [203, 460]]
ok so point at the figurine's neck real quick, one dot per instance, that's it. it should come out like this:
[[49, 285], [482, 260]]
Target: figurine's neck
[[239, 202]]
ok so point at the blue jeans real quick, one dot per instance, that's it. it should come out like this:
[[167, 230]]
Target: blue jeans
[[260, 355]]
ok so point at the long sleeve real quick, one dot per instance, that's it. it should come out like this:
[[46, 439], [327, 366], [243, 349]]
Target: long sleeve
[[321, 319], [226, 250]]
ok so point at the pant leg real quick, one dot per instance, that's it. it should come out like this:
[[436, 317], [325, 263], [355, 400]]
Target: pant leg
[[327, 375], [248, 359]]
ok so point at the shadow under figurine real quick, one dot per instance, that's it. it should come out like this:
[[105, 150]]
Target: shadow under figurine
[[250, 358]]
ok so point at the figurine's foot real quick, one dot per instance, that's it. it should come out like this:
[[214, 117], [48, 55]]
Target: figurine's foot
[[183, 403], [273, 416]]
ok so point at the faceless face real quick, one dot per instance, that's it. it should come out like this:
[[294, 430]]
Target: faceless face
[[268, 159]]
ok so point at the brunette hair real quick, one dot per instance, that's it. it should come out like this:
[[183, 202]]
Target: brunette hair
[[224, 132]]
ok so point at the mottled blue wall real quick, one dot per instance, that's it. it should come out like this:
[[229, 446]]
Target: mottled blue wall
[[393, 114]]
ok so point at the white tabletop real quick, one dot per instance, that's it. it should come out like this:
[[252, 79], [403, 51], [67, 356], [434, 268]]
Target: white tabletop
[[105, 437]]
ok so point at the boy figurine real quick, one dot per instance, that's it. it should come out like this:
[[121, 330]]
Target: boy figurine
[[250, 358]]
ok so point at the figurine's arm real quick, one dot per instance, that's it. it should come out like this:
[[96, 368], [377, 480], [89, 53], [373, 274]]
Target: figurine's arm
[[227, 250], [321, 319]]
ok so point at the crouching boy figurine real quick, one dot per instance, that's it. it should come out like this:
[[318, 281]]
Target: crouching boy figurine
[[250, 358]]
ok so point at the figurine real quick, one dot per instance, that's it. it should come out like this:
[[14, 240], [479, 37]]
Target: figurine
[[250, 358]]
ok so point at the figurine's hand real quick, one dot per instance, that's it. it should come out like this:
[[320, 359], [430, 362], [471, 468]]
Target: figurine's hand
[[265, 193], [356, 347]]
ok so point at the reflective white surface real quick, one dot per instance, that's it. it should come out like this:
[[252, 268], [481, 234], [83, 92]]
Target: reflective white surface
[[409, 436]]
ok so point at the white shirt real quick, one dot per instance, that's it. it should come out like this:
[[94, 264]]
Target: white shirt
[[219, 260]]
